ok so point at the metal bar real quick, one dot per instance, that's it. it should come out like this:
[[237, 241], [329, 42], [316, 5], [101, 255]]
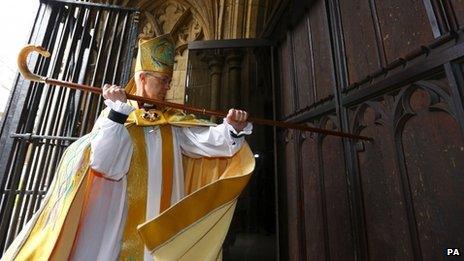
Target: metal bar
[[21, 199], [131, 47], [7, 181], [88, 96], [20, 149], [62, 109], [57, 101], [50, 41], [110, 51], [33, 98], [40, 11], [66, 104], [107, 64], [118, 56], [30, 136], [81, 103], [62, 96], [43, 162], [6, 217], [26, 192], [94, 77], [58, 33], [36, 162], [23, 212], [18, 205], [38, 156], [50, 112], [78, 71], [89, 5]]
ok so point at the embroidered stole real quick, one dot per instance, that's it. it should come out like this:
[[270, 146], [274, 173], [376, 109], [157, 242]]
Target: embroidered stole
[[137, 187]]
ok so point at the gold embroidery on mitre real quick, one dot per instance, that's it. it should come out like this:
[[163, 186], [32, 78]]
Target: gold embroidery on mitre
[[156, 54]]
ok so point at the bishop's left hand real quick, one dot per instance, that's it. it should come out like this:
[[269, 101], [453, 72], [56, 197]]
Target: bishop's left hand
[[237, 118]]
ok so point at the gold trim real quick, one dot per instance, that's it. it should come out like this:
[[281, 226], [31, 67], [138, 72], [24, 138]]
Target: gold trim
[[131, 87], [229, 206], [64, 247], [198, 204], [167, 166], [132, 247], [44, 234]]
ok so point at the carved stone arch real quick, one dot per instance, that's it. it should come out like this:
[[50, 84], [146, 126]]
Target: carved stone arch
[[185, 24], [185, 30], [199, 11], [172, 14]]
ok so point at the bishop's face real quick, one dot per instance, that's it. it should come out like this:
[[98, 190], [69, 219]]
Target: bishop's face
[[154, 85]]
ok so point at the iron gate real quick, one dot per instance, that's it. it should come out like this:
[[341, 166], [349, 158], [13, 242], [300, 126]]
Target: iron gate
[[90, 44]]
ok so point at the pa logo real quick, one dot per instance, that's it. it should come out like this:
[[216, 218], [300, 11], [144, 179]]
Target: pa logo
[[452, 252]]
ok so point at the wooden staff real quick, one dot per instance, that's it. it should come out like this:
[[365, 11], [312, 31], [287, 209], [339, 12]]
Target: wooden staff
[[28, 75]]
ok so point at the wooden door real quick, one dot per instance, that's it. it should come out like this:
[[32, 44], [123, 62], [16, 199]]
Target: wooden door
[[391, 70]]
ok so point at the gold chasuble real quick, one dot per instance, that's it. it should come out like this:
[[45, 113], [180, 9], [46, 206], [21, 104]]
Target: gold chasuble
[[192, 229]]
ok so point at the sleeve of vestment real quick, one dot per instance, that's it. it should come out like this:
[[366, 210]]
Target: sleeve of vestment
[[218, 141], [112, 146]]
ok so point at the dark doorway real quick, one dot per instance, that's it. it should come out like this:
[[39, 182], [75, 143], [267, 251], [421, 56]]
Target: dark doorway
[[238, 74]]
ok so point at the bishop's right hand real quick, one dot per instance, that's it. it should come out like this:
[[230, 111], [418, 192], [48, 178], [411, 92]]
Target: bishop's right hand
[[114, 93]]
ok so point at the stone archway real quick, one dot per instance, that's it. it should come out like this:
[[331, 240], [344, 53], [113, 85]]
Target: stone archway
[[178, 20]]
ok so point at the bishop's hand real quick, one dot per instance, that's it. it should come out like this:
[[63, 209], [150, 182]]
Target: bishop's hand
[[237, 118], [114, 93]]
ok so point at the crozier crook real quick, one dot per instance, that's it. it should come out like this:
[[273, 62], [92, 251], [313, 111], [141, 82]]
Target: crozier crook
[[22, 62]]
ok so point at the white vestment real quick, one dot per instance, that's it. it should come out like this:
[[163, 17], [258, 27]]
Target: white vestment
[[102, 225]]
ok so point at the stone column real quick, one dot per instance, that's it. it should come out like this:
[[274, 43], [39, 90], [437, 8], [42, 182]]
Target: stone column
[[215, 64], [234, 64]]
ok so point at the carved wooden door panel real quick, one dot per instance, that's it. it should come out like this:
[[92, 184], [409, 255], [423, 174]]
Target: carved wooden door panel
[[373, 68]]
